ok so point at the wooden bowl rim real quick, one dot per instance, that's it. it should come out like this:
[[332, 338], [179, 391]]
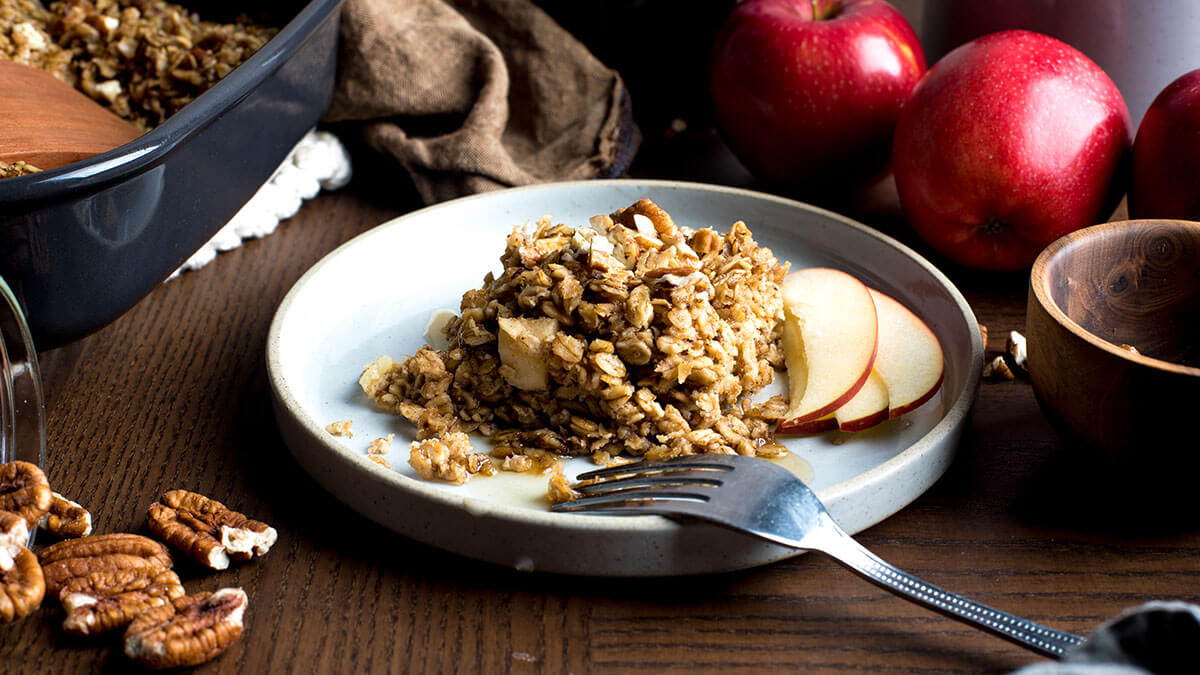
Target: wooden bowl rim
[[1039, 283]]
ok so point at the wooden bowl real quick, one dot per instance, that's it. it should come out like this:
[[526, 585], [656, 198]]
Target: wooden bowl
[[1093, 295]]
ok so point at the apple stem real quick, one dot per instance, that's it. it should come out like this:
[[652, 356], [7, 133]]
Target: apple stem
[[825, 9]]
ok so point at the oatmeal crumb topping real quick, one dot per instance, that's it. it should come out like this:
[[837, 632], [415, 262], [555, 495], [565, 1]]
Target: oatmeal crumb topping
[[341, 428], [649, 346]]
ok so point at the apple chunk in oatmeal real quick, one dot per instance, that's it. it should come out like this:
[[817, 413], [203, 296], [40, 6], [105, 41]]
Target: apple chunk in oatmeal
[[631, 336]]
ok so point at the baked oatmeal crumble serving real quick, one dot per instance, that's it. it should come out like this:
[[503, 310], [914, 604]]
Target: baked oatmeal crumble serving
[[632, 336]]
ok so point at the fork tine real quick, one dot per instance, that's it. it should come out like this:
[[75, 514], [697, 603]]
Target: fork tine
[[614, 509], [686, 463], [675, 479], [649, 500]]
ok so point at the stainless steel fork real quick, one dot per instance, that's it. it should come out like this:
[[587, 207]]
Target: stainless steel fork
[[766, 500]]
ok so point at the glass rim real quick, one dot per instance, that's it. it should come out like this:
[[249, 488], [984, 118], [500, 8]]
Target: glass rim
[[22, 404]]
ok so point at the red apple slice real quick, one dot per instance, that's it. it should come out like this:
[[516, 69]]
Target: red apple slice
[[797, 373], [833, 316], [910, 357], [869, 406]]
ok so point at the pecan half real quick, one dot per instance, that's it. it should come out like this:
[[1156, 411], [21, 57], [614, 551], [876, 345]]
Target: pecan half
[[66, 519], [60, 572], [190, 631], [22, 586], [105, 553], [206, 531], [104, 602], [104, 544], [24, 491]]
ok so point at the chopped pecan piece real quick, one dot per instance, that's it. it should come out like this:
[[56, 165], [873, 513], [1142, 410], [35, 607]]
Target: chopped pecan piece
[[208, 532], [664, 226], [24, 491], [190, 631], [559, 489], [21, 586], [1016, 348], [103, 602], [66, 519], [997, 369]]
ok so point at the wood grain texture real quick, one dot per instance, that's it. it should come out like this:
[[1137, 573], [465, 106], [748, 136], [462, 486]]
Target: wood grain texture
[[47, 123], [1125, 283], [1134, 283], [174, 395]]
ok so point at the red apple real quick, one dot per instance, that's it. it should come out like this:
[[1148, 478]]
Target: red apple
[[1166, 154], [807, 92], [1009, 142]]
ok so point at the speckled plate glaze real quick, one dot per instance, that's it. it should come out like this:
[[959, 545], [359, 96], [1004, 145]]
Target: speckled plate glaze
[[374, 295]]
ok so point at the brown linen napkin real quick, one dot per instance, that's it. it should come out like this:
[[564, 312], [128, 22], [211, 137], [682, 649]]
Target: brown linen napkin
[[475, 95]]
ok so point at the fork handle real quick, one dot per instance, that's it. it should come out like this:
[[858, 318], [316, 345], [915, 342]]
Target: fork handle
[[1029, 634]]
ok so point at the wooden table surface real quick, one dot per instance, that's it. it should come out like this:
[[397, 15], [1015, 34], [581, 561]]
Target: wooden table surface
[[174, 394]]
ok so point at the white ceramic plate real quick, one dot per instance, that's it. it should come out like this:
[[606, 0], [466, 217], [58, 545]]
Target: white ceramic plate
[[374, 295]]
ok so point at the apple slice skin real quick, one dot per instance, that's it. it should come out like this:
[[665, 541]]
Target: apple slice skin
[[828, 302], [916, 403], [900, 333], [864, 423], [817, 426], [906, 368], [868, 407], [865, 416]]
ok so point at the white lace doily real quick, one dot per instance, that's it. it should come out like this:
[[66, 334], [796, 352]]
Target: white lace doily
[[319, 161]]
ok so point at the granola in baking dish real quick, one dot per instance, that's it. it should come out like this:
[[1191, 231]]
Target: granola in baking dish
[[633, 336], [143, 59]]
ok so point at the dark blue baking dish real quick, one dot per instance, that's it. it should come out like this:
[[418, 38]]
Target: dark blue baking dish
[[81, 244]]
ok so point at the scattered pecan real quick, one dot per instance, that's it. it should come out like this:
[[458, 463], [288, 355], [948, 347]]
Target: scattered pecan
[[190, 631], [60, 572], [997, 369], [206, 531], [14, 534], [1015, 347], [24, 491], [109, 583], [104, 602], [21, 586], [66, 519], [105, 544], [103, 553]]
